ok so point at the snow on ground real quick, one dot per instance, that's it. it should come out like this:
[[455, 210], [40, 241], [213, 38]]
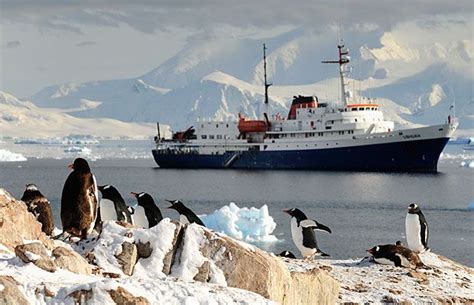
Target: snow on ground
[[249, 224], [147, 280], [8, 156], [363, 281]]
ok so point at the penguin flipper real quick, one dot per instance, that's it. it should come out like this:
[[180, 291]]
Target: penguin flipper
[[313, 224]]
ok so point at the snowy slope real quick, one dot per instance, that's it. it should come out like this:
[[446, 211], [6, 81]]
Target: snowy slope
[[24, 119], [416, 70]]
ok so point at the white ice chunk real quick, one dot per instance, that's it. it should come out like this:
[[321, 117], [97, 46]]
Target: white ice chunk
[[249, 224], [8, 156]]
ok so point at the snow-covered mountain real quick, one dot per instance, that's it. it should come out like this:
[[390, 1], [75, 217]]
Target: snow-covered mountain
[[416, 71], [26, 120]]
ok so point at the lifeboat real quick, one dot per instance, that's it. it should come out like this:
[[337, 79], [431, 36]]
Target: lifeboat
[[246, 126]]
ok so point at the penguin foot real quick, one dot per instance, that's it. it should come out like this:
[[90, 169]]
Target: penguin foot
[[62, 237]]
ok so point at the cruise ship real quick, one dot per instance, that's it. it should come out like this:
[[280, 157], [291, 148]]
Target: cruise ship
[[339, 136]]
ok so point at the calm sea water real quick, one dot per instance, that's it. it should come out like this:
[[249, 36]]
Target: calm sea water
[[362, 209]]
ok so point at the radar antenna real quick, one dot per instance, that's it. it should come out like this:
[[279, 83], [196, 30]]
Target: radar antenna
[[344, 59]]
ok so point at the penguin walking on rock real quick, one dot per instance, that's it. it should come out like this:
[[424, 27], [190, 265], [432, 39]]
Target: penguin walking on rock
[[79, 201], [40, 207], [302, 232], [146, 214], [112, 206], [416, 229], [396, 255], [186, 216]]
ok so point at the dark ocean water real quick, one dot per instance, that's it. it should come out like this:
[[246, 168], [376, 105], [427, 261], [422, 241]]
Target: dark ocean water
[[362, 209]]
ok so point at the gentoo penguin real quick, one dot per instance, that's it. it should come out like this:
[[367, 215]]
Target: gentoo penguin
[[396, 255], [416, 229], [39, 206], [146, 214], [186, 216], [79, 200], [112, 206], [286, 254], [302, 231]]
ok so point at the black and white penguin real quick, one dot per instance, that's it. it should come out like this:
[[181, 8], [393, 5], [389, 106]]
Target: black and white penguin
[[112, 206], [302, 232], [186, 216], [287, 254], [396, 255], [79, 201], [39, 206], [416, 229], [146, 214]]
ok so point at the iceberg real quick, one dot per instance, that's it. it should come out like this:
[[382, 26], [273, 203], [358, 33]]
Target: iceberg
[[470, 207], [8, 156], [469, 164], [249, 224]]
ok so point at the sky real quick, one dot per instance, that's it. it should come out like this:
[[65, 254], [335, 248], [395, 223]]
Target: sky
[[47, 42]]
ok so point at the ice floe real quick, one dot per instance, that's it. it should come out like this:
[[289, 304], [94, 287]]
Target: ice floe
[[249, 224], [8, 156]]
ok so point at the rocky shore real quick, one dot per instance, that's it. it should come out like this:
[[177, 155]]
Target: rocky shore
[[175, 264]]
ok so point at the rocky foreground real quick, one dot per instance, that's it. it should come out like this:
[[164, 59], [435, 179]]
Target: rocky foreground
[[175, 264]]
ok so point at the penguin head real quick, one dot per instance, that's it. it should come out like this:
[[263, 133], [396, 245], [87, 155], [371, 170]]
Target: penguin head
[[297, 213], [31, 187], [413, 208], [143, 199], [108, 191], [374, 251], [80, 165], [177, 206]]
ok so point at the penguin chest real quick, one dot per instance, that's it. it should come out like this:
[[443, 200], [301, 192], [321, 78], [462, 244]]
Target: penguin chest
[[384, 261], [413, 232], [107, 210], [298, 239], [139, 218]]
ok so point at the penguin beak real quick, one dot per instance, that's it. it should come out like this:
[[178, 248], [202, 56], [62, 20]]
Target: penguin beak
[[70, 166], [287, 211], [134, 194], [371, 251]]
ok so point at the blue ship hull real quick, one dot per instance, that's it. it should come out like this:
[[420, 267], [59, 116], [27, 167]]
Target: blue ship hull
[[408, 156]]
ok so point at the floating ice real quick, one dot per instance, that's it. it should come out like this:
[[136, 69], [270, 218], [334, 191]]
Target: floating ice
[[469, 164], [249, 224], [8, 156], [470, 207]]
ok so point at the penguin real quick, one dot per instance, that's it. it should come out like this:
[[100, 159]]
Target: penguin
[[186, 216], [302, 232], [112, 206], [146, 214], [40, 207], [79, 201], [396, 255], [286, 254], [416, 229]]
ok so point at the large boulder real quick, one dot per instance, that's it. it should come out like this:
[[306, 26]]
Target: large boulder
[[37, 254], [243, 266], [17, 224]]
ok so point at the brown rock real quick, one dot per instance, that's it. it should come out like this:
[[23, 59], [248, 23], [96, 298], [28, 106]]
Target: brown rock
[[123, 297], [35, 253], [252, 269], [128, 257], [81, 296], [144, 250], [71, 260], [420, 277], [170, 256], [10, 294], [17, 224]]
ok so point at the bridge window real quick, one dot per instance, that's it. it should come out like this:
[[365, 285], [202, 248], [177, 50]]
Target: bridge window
[[361, 108], [354, 109], [204, 137], [211, 137], [219, 137]]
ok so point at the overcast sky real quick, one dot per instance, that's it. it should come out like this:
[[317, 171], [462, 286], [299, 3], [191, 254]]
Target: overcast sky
[[45, 42]]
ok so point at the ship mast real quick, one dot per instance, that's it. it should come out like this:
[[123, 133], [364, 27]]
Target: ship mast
[[265, 77], [343, 60]]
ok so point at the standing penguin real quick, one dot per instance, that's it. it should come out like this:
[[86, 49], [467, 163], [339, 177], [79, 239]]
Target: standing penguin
[[146, 214], [112, 206], [79, 200], [416, 229], [186, 216], [39, 206], [302, 232], [396, 255]]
